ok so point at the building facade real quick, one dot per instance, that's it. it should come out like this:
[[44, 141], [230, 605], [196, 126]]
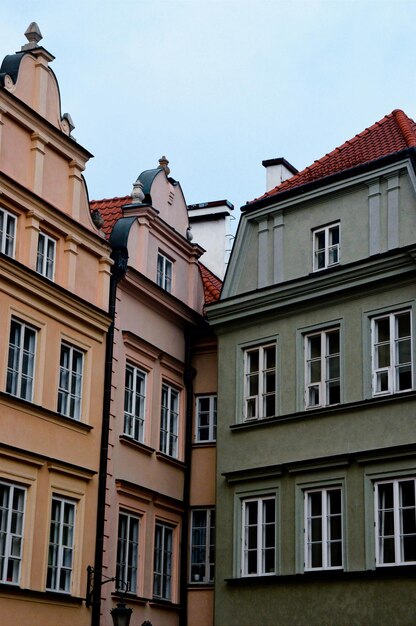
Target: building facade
[[316, 450], [54, 287], [159, 519]]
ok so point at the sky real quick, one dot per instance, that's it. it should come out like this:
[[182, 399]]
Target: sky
[[219, 85]]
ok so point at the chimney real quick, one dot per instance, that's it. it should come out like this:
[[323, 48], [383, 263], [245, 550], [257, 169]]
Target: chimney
[[277, 170]]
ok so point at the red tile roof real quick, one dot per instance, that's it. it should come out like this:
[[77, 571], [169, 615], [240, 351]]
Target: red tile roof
[[212, 285], [391, 134], [110, 209]]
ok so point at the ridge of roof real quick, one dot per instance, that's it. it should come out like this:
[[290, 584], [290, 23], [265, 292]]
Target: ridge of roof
[[393, 133]]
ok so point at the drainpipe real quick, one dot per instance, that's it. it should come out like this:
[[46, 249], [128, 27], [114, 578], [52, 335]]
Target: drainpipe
[[118, 270], [188, 377]]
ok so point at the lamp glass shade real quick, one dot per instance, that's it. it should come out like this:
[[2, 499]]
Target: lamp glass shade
[[121, 615]]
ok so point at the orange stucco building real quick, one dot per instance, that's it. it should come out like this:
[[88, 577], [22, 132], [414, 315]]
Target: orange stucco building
[[54, 282]]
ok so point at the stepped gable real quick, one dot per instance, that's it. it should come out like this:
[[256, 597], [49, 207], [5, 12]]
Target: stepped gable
[[110, 210], [393, 133], [212, 285]]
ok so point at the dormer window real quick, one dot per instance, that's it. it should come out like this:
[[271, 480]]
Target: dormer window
[[164, 272], [326, 251], [7, 232]]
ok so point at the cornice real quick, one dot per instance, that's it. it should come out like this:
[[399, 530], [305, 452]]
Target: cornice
[[366, 273]]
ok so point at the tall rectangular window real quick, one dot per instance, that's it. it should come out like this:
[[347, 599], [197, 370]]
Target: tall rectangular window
[[259, 536], [326, 247], [70, 381], [322, 363], [134, 403], [169, 421], [206, 418], [61, 545], [202, 546], [45, 262], [7, 232], [395, 524], [12, 507], [164, 272], [323, 528], [162, 569], [21, 362], [127, 552], [392, 353], [260, 388]]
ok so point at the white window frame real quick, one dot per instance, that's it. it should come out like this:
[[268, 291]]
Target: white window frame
[[70, 400], [21, 361], [164, 272], [202, 546], [330, 251], [255, 405], [397, 515], [61, 546], [12, 519], [127, 552], [260, 542], [45, 259], [325, 526], [391, 371], [322, 386], [206, 419], [163, 561], [135, 402], [169, 420], [7, 233]]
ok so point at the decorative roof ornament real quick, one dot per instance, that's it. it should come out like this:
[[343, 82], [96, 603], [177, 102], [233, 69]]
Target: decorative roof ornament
[[33, 35], [189, 234], [163, 163], [137, 194]]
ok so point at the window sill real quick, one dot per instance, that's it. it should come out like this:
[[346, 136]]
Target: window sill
[[330, 575], [129, 441], [164, 604], [194, 586], [46, 412], [52, 596], [204, 444], [129, 598], [326, 410], [170, 459]]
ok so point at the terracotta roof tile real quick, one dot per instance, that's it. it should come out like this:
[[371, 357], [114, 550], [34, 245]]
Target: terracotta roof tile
[[391, 134], [110, 209], [212, 285]]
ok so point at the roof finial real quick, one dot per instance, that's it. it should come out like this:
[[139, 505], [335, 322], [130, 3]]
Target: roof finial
[[163, 162], [33, 35]]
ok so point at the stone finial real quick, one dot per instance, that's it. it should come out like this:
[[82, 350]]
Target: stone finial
[[189, 234], [137, 194], [163, 162], [33, 35]]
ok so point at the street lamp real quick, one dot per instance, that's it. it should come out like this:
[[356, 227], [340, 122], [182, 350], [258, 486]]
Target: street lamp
[[121, 614]]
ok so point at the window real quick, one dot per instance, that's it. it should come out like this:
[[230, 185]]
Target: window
[[127, 551], [61, 545], [202, 546], [206, 418], [21, 363], [326, 247], [169, 421], [7, 232], [392, 353], [12, 506], [162, 570], [323, 529], [164, 272], [322, 376], [260, 382], [259, 536], [70, 382], [395, 523], [45, 263], [134, 403]]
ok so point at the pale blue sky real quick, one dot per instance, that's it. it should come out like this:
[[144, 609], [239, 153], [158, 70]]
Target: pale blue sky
[[219, 85]]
